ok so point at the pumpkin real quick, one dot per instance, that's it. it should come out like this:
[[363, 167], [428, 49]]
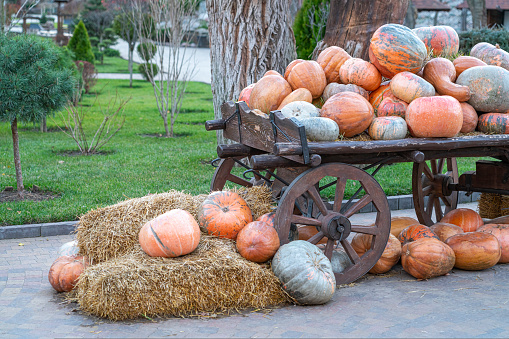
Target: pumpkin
[[257, 241], [268, 93], [306, 232], [475, 251], [320, 129], [408, 87], [392, 106], [439, 40], [246, 93], [170, 235], [434, 117], [388, 128], [414, 232], [492, 55], [463, 63], [224, 214], [489, 88], [272, 72], [267, 218], [69, 248], [470, 118], [331, 59], [376, 97], [290, 67], [309, 75], [501, 232], [361, 73], [395, 48], [340, 261], [427, 258], [335, 88], [445, 230], [466, 218], [300, 110], [398, 224], [441, 74], [65, 272], [361, 243], [494, 123], [300, 94], [352, 112], [304, 272]]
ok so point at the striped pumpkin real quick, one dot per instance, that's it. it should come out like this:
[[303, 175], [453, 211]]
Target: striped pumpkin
[[492, 55], [376, 97], [392, 106], [414, 232], [494, 123], [388, 128], [439, 40], [408, 87]]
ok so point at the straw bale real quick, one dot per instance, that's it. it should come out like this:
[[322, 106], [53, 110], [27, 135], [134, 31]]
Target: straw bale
[[504, 205], [213, 279], [489, 205]]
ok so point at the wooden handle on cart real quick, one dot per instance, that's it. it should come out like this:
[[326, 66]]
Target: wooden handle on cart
[[260, 162], [236, 150], [212, 125]]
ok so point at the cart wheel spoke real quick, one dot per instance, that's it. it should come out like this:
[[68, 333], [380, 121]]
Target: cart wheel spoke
[[438, 209], [429, 205], [427, 172], [366, 229], [440, 165], [447, 201], [329, 247], [354, 257], [313, 193], [316, 238], [299, 219], [238, 180], [339, 194], [434, 167], [427, 190], [358, 205]]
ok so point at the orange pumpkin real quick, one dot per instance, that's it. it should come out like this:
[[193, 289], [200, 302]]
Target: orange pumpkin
[[224, 214], [408, 87], [439, 40], [300, 94], [441, 73], [290, 67], [444, 230], [350, 111], [470, 118], [268, 93], [463, 63], [170, 235], [272, 72], [257, 241], [469, 220], [388, 128], [494, 123], [427, 258], [306, 232], [268, 218], [246, 93], [501, 232], [361, 73], [434, 117], [331, 59], [398, 224], [65, 272], [414, 232], [475, 251], [376, 97], [392, 106], [310, 75], [361, 243]]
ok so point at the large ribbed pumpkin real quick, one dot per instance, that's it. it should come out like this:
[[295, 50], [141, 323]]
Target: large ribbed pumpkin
[[309, 75], [494, 123], [300, 94], [439, 40], [414, 232], [352, 112], [475, 250], [489, 88], [388, 128], [267, 218], [492, 55], [290, 67], [464, 62], [408, 87], [65, 272], [170, 235], [466, 218], [441, 73], [257, 241], [331, 59], [361, 73], [392, 106], [445, 230], [427, 258], [501, 231], [470, 118], [335, 88], [224, 214], [376, 97], [434, 117], [268, 93], [361, 243], [398, 224], [395, 48], [246, 93], [304, 272]]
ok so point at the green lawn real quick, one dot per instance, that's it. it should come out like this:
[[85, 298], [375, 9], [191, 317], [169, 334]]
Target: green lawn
[[115, 65]]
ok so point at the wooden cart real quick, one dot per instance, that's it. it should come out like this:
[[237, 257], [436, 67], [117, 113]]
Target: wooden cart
[[299, 174]]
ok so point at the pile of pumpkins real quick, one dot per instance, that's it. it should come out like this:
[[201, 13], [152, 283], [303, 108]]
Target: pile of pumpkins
[[340, 96]]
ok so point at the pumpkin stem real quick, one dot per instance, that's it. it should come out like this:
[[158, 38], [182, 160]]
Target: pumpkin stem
[[225, 209]]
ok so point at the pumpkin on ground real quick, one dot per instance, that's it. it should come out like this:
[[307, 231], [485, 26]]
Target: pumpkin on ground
[[494, 123], [439, 40], [492, 55], [361, 73], [395, 48], [65, 272], [434, 117], [445, 230], [309, 75], [408, 87], [335, 88], [463, 63], [466, 218], [257, 241], [246, 93], [376, 97], [470, 118], [361, 243], [267, 218], [340, 260], [304, 272], [427, 258], [475, 251], [224, 214], [414, 232], [501, 232], [331, 59], [300, 94], [320, 129], [352, 112], [441, 73], [398, 224], [392, 106], [69, 248], [300, 110], [388, 128], [268, 93]]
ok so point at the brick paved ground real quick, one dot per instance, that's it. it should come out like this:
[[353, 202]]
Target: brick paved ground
[[462, 304]]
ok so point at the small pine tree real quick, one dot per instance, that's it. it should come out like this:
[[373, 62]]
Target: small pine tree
[[80, 44], [309, 26]]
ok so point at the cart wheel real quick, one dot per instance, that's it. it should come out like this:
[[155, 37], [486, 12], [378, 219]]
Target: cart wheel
[[332, 219], [430, 179], [223, 176]]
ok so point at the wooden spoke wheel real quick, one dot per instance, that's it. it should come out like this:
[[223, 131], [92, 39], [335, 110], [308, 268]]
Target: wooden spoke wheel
[[332, 220], [432, 197], [223, 176]]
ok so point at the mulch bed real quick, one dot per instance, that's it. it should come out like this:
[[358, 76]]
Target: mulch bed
[[33, 194]]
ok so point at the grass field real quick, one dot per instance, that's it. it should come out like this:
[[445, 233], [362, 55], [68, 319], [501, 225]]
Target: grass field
[[115, 65]]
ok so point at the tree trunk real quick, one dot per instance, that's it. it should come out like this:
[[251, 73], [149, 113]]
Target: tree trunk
[[479, 13], [247, 38], [411, 15], [17, 161], [44, 127], [351, 23], [130, 65]]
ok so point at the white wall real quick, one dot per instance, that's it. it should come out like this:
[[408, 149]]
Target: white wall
[[506, 20]]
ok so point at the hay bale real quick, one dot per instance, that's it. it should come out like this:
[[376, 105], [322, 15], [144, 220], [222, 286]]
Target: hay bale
[[214, 278], [489, 205]]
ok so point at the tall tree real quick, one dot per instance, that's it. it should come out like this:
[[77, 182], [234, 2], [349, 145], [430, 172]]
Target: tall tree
[[479, 13], [125, 28], [80, 45], [247, 38]]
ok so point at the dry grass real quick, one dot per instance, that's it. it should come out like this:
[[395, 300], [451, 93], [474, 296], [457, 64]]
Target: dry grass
[[490, 205]]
